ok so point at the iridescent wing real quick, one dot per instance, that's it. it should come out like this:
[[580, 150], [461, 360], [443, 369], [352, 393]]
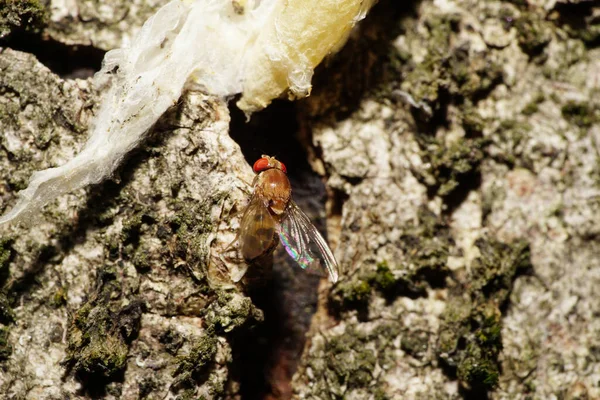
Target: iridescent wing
[[257, 230], [304, 243]]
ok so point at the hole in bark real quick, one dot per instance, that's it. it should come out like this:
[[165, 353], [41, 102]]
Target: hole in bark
[[67, 61], [580, 19], [267, 357]]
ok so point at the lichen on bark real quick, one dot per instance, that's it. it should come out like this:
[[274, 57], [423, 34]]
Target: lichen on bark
[[459, 143], [487, 105], [110, 271]]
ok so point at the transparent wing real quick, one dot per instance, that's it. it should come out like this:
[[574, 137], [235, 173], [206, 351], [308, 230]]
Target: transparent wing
[[257, 230], [305, 245]]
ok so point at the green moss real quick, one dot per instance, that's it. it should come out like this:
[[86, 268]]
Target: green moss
[[59, 298], [27, 15], [415, 344], [189, 394], [7, 315], [104, 356], [380, 394], [201, 355], [231, 311], [534, 33], [217, 386], [509, 141], [425, 247], [448, 165], [446, 69], [5, 347], [357, 292], [146, 386], [384, 279], [477, 369], [193, 366], [141, 260], [190, 227], [349, 360], [350, 295], [472, 121], [6, 254], [470, 330], [101, 330], [471, 75], [580, 114], [533, 106], [453, 328], [172, 340], [426, 79], [131, 228], [493, 273]]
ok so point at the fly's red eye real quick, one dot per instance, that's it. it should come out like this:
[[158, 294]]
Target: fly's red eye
[[283, 168], [260, 165]]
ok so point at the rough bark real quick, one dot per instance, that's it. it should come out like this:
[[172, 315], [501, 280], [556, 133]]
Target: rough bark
[[459, 144]]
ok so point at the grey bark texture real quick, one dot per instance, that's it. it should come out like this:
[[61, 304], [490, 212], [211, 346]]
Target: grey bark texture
[[453, 147]]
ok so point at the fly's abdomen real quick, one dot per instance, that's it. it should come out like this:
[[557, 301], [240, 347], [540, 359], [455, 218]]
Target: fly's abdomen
[[258, 243]]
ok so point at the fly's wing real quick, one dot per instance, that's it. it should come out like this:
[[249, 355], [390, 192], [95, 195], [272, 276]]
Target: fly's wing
[[304, 243], [257, 230]]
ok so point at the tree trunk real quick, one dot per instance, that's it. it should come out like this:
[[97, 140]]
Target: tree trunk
[[450, 149]]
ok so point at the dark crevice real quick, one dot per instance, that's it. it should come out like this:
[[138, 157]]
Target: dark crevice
[[267, 356], [66, 61], [360, 68], [580, 21], [272, 132], [467, 183]]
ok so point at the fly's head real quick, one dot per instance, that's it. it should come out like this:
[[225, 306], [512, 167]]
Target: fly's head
[[266, 162], [272, 185]]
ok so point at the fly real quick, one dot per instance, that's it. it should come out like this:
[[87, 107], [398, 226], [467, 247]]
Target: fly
[[272, 214]]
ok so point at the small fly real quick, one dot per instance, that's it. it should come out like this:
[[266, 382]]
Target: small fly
[[272, 214]]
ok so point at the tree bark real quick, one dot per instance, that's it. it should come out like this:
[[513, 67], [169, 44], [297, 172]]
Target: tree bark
[[453, 147]]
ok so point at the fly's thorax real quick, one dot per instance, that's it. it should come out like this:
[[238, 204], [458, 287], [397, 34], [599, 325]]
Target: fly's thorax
[[273, 186]]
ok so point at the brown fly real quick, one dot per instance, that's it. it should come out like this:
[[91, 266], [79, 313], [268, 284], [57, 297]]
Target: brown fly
[[273, 216]]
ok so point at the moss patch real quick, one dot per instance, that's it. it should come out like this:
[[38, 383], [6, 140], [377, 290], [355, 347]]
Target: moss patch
[[60, 297], [426, 248], [194, 366], [470, 333], [230, 311], [582, 115], [101, 330], [534, 33], [446, 74], [5, 347], [447, 166], [7, 314], [510, 142], [533, 106], [6, 255], [348, 361], [26, 15]]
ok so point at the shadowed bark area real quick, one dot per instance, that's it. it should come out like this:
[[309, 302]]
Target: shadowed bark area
[[450, 151]]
